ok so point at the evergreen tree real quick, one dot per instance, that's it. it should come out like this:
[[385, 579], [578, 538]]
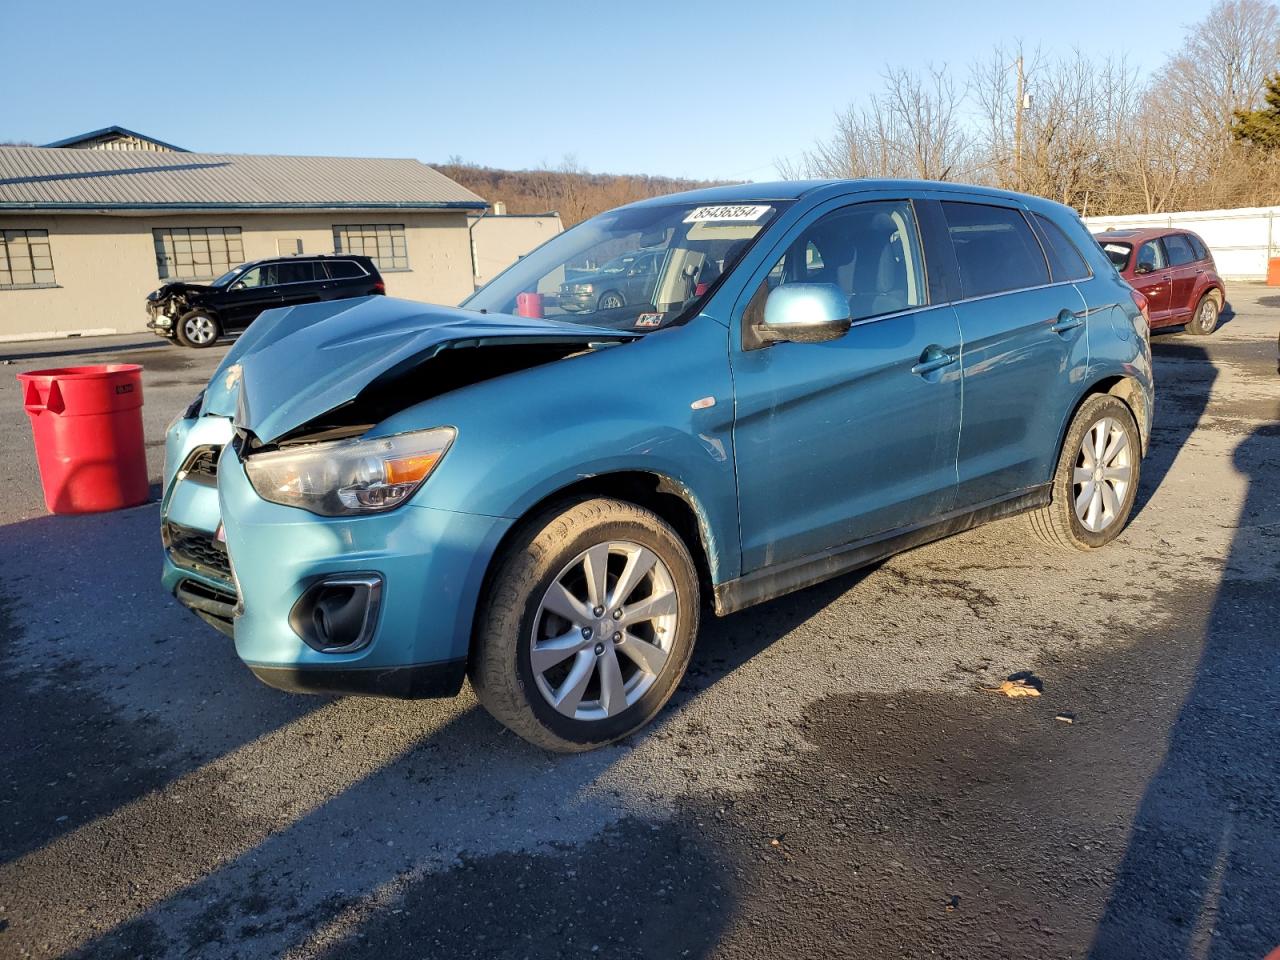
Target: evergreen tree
[[1261, 127]]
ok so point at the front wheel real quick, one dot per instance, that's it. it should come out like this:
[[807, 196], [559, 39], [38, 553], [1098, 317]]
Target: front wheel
[[610, 300], [1096, 480], [588, 625], [1205, 320], [198, 328]]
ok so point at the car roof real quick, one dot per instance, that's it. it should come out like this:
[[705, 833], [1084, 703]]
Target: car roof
[[797, 189], [1138, 234], [306, 256]]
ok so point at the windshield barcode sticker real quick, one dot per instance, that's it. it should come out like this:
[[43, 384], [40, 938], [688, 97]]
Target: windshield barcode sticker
[[738, 211]]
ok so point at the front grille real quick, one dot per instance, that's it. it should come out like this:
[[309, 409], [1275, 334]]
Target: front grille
[[197, 551], [202, 465]]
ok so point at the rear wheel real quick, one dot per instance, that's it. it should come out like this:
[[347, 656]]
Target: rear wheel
[[1096, 480], [198, 328], [588, 625], [1205, 320]]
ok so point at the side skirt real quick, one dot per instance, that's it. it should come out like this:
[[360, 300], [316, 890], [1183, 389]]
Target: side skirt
[[775, 581]]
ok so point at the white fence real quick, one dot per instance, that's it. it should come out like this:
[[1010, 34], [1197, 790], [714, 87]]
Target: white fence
[[1242, 241]]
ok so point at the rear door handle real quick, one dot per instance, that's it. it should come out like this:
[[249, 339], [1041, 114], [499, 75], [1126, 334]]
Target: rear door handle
[[1067, 321], [934, 358]]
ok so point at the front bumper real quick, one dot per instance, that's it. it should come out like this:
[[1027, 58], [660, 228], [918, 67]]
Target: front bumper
[[196, 570], [431, 563]]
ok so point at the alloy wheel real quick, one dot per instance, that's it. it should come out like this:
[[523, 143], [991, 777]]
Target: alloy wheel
[[1208, 315], [1103, 471], [604, 630], [199, 329]]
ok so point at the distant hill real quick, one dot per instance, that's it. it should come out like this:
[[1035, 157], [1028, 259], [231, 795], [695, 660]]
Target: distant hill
[[570, 191]]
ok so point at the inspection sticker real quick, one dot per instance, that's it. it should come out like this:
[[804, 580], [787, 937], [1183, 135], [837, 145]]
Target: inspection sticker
[[649, 320], [727, 212]]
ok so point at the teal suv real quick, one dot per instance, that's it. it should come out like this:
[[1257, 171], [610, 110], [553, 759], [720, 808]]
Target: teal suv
[[544, 494]]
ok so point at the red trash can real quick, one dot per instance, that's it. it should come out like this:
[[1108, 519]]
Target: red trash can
[[87, 423]]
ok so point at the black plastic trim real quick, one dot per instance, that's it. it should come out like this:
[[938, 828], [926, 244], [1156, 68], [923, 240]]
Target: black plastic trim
[[416, 682], [775, 581]]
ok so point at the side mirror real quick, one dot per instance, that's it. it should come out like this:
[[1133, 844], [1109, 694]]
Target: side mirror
[[1144, 267], [805, 313], [238, 285]]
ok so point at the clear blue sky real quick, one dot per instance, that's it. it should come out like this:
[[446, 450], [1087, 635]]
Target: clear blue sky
[[686, 88]]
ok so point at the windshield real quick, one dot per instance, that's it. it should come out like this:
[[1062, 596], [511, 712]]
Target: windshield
[[1118, 252], [640, 268], [227, 277]]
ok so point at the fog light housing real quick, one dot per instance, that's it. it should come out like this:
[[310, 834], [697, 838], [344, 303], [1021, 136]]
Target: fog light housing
[[338, 614]]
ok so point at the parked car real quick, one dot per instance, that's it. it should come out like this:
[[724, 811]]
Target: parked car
[[409, 494], [1174, 270], [620, 281], [196, 315]]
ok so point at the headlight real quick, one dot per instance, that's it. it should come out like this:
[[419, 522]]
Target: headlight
[[345, 477]]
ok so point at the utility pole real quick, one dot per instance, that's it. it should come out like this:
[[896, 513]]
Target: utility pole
[[1017, 127]]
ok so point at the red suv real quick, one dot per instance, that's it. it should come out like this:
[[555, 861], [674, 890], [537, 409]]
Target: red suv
[[1174, 270]]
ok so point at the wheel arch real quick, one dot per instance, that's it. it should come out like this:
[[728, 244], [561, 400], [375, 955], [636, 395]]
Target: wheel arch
[[1126, 389], [671, 500]]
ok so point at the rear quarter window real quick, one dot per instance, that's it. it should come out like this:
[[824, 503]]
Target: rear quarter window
[[1065, 261], [344, 269], [995, 249]]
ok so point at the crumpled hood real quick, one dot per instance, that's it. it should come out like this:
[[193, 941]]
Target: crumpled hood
[[296, 364], [179, 286]]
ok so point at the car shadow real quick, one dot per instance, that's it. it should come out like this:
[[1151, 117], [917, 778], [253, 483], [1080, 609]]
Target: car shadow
[[1197, 878], [112, 690], [1184, 376]]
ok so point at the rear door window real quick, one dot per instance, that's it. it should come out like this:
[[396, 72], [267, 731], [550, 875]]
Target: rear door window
[[1065, 261], [1178, 247], [995, 249], [300, 271]]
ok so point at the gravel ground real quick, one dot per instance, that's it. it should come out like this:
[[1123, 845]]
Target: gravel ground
[[832, 779]]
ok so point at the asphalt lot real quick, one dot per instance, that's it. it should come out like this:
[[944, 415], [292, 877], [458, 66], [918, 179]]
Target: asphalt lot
[[832, 779]]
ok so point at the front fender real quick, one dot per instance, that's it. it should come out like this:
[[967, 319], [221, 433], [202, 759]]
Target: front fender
[[661, 405]]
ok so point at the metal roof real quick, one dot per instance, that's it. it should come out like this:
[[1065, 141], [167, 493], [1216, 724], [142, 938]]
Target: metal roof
[[53, 179], [119, 131]]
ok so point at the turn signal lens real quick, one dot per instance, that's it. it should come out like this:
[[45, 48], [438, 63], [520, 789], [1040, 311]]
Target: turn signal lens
[[1140, 301]]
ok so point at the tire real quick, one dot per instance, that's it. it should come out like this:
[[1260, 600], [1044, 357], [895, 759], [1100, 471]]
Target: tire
[[1060, 523], [610, 300], [198, 329], [550, 552], [1205, 319]]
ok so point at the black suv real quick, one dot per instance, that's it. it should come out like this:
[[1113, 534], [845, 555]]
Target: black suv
[[196, 314]]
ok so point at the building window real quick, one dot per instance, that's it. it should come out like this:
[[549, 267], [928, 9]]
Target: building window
[[196, 253], [25, 259], [383, 242]]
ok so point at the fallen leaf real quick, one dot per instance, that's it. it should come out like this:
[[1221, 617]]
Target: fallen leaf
[[1015, 688]]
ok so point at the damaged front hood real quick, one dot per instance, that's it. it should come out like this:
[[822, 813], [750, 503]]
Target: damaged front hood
[[179, 287], [307, 361]]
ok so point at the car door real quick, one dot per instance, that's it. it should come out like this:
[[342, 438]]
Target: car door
[[1152, 279], [257, 289], [642, 274], [298, 282], [1025, 350], [841, 441], [1184, 273]]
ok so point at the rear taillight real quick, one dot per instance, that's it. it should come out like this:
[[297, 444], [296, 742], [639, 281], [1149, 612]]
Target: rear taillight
[[379, 287], [1140, 302]]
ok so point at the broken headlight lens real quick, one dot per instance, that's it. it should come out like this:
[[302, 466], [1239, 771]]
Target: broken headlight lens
[[346, 477]]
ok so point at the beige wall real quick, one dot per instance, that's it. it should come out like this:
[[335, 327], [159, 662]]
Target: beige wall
[[106, 265], [500, 241]]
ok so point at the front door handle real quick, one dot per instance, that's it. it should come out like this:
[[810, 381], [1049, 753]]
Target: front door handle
[[934, 358], [1067, 321]]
